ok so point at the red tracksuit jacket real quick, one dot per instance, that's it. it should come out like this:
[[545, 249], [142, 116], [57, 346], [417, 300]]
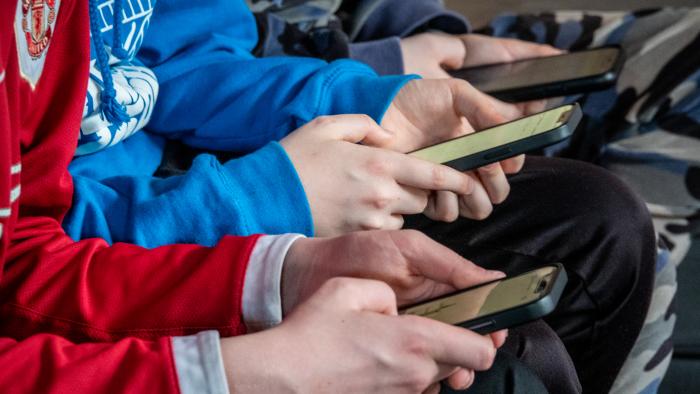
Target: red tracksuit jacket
[[59, 298]]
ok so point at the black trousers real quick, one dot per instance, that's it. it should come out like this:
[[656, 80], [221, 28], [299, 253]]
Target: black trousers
[[583, 217]]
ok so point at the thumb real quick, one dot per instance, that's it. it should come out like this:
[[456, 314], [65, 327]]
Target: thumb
[[350, 128], [452, 53], [480, 109], [359, 295]]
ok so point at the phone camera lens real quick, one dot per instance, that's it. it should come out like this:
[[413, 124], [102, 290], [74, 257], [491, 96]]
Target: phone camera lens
[[541, 286]]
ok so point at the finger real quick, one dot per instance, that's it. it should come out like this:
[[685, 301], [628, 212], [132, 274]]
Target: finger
[[443, 206], [411, 171], [439, 263], [359, 294], [477, 204], [513, 165], [499, 337], [495, 182], [452, 52], [394, 222], [351, 128], [532, 107], [410, 201], [462, 379], [519, 49], [480, 109], [445, 371], [433, 389], [454, 345]]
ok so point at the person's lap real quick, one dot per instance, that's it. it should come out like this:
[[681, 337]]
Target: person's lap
[[582, 216]]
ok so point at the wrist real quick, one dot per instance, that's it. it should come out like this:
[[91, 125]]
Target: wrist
[[298, 272], [251, 366]]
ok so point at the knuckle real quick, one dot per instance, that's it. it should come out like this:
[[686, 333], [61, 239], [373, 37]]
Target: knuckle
[[324, 120], [439, 177], [490, 170], [448, 215], [486, 357], [468, 185], [415, 342], [338, 285], [373, 222], [377, 166], [380, 199], [483, 212]]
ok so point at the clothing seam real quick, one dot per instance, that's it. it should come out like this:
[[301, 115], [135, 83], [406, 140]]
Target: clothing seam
[[173, 368]]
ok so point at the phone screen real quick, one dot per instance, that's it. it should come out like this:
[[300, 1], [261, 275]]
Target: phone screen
[[495, 136], [487, 299], [539, 71]]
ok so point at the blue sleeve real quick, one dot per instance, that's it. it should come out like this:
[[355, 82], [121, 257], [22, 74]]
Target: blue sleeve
[[257, 193], [215, 94]]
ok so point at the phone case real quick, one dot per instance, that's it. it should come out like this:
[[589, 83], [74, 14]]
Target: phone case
[[567, 88], [521, 314], [519, 147]]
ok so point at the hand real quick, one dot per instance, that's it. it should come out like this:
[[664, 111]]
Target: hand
[[425, 112], [430, 54], [480, 50], [356, 187], [347, 338], [416, 267]]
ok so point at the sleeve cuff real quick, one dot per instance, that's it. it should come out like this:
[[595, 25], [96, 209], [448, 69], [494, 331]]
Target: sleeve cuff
[[266, 186], [199, 365], [262, 298], [384, 55], [354, 88]]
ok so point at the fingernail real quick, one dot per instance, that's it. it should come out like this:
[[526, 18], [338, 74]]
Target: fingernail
[[497, 274]]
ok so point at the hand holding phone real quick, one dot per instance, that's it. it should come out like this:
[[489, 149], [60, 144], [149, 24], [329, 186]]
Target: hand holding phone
[[505, 140], [551, 76], [499, 304]]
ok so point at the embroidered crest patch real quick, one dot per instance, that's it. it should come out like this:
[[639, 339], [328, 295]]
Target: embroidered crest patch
[[35, 21]]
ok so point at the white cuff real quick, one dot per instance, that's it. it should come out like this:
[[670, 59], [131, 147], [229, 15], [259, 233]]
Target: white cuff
[[262, 299], [199, 365]]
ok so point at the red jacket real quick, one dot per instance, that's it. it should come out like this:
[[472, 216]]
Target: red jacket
[[54, 292]]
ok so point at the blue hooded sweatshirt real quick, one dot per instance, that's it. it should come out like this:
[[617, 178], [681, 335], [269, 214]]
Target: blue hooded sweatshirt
[[212, 93]]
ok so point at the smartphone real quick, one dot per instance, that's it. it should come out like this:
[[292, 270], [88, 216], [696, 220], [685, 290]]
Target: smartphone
[[506, 140], [500, 304], [551, 76]]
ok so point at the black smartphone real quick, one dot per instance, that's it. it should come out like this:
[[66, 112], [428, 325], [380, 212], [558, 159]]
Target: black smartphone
[[552, 76], [506, 140], [500, 304]]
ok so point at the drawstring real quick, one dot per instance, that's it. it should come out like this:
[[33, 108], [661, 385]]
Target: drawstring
[[117, 49], [113, 112]]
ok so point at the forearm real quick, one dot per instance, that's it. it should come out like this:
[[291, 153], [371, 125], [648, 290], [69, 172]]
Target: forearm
[[48, 363], [90, 291], [257, 193]]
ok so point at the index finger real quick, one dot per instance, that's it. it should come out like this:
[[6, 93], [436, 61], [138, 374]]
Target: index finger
[[456, 346], [422, 174], [440, 264]]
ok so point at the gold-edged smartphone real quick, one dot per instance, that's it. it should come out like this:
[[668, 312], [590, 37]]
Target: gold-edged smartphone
[[505, 140], [499, 304]]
